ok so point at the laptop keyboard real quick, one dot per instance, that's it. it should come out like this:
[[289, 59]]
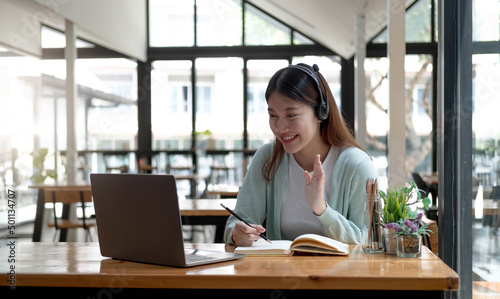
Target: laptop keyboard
[[190, 258]]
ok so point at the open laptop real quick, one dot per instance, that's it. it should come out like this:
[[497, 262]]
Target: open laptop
[[138, 219]]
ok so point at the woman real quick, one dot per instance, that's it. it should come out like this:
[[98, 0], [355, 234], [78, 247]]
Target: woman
[[312, 178]]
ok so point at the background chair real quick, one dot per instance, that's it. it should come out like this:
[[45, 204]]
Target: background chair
[[68, 196], [428, 189]]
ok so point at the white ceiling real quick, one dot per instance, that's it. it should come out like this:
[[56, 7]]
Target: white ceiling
[[330, 22]]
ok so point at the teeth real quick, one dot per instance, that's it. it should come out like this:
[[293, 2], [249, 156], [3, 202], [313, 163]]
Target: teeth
[[288, 138]]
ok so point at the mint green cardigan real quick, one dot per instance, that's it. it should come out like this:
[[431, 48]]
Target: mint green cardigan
[[259, 200]]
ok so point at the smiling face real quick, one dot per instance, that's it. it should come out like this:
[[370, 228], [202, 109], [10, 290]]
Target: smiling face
[[295, 125]]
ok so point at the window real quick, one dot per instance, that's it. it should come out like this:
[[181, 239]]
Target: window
[[485, 20], [418, 115], [171, 23], [417, 24], [171, 104], [260, 29], [486, 165], [259, 74], [219, 99], [219, 22]]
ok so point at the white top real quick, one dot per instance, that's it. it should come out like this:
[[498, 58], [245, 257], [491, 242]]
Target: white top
[[297, 217]]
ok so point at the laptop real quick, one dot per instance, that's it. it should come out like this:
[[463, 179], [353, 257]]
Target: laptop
[[138, 219]]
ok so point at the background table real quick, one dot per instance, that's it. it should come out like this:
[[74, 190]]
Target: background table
[[80, 270], [40, 207], [207, 212], [193, 211]]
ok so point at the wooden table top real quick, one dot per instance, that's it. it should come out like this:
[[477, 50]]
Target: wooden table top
[[81, 265], [430, 177], [60, 185], [490, 207], [206, 207]]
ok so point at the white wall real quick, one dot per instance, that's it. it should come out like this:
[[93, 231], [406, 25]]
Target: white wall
[[19, 27], [119, 25]]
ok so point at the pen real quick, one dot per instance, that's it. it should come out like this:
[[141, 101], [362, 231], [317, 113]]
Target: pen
[[236, 215]]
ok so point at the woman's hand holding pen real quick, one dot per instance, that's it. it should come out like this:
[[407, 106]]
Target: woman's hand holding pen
[[315, 187], [244, 235]]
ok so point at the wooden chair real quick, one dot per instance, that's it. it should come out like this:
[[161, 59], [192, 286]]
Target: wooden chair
[[431, 241], [68, 196]]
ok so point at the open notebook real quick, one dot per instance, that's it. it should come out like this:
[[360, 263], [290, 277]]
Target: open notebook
[[304, 244]]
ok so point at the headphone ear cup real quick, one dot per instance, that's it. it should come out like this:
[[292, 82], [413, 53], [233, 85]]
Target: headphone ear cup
[[322, 111]]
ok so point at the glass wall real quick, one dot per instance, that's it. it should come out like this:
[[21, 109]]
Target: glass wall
[[486, 148], [418, 27], [33, 124], [171, 104], [219, 101], [171, 23], [418, 113], [259, 74], [261, 29], [19, 132], [223, 17]]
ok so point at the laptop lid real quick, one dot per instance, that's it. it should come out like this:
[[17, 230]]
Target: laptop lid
[[138, 219]]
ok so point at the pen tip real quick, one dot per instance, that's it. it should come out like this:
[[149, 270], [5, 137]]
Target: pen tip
[[269, 241]]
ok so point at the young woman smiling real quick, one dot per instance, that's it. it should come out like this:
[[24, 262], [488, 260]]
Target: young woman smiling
[[312, 178]]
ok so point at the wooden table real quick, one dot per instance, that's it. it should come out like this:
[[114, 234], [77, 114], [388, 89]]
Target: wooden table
[[490, 207], [40, 207], [79, 270], [207, 212], [430, 178], [193, 211], [222, 192]]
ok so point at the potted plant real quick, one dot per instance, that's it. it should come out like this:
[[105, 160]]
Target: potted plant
[[210, 142], [409, 235], [397, 204], [39, 171]]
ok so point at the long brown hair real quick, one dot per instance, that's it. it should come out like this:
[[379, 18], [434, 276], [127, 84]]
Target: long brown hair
[[300, 86]]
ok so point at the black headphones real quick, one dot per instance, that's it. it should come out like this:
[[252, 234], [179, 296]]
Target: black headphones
[[322, 110]]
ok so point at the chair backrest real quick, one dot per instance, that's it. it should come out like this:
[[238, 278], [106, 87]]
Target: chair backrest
[[421, 185], [495, 192], [68, 195]]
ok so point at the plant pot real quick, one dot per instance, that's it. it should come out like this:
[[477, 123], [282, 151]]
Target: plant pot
[[409, 246], [390, 241]]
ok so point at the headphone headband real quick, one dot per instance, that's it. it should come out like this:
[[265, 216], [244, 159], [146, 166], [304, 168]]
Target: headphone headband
[[322, 109]]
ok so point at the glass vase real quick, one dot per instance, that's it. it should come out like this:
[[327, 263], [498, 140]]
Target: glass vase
[[372, 232], [390, 241], [409, 246]]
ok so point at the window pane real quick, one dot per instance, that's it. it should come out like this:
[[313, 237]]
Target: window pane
[[259, 74], [485, 20], [108, 120], [219, 111], [171, 23], [219, 100], [219, 22], [377, 119], [418, 70], [418, 22], [55, 39], [486, 169], [260, 29], [19, 124], [171, 105], [418, 113], [299, 39]]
